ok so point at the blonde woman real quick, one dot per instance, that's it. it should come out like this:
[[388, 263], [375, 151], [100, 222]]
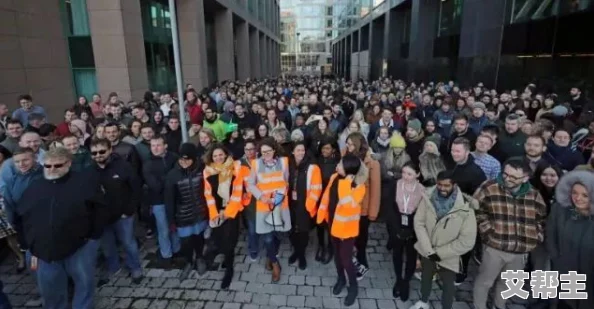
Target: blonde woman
[[430, 162], [359, 117]]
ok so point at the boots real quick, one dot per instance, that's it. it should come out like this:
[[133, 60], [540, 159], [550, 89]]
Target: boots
[[352, 292], [328, 256], [320, 254], [339, 286], [276, 272], [302, 262], [404, 290], [227, 278], [396, 290], [293, 257]]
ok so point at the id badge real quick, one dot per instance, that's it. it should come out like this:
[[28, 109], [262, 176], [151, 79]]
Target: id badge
[[404, 220], [33, 263], [294, 195]]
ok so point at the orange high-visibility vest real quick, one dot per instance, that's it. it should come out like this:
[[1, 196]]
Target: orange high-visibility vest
[[271, 182], [239, 198], [231, 209], [345, 223], [314, 189]]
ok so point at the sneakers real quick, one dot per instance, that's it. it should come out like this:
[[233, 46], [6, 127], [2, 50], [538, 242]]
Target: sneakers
[[460, 278], [201, 266], [137, 280], [361, 271], [420, 305], [149, 234], [293, 258], [253, 257]]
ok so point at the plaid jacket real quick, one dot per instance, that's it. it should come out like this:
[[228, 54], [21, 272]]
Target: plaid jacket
[[508, 223]]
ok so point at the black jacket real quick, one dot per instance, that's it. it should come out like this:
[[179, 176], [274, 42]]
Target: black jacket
[[154, 172], [123, 188], [174, 140], [60, 216], [300, 218], [447, 152], [184, 196], [414, 149], [327, 167], [468, 176], [128, 152]]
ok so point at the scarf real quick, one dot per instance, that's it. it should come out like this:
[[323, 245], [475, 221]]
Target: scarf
[[417, 138], [408, 201], [443, 205], [225, 172], [383, 143]]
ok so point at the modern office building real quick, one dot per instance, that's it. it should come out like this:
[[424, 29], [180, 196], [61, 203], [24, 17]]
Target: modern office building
[[59, 49], [307, 30], [502, 43]]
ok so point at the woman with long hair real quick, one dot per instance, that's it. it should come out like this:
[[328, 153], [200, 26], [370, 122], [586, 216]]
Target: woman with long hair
[[340, 208], [218, 190], [370, 172], [409, 194], [360, 119], [381, 143], [159, 122], [272, 121], [328, 156], [547, 107], [234, 143], [305, 189], [82, 105], [320, 131], [78, 128], [268, 183], [569, 231], [262, 132], [430, 162], [352, 127]]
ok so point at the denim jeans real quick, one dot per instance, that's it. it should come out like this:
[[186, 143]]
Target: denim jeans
[[123, 231], [4, 303], [252, 238], [271, 243], [168, 241], [52, 278]]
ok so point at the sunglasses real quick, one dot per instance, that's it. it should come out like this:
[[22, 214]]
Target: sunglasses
[[49, 166], [101, 152]]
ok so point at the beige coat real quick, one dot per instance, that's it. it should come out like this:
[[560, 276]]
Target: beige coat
[[451, 236]]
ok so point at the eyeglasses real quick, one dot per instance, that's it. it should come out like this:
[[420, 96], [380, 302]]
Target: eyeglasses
[[269, 151], [101, 152], [249, 149], [59, 165], [511, 177]]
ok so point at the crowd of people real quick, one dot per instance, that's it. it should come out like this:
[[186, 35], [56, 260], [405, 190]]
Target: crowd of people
[[456, 173]]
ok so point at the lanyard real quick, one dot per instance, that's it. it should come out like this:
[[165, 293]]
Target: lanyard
[[406, 197]]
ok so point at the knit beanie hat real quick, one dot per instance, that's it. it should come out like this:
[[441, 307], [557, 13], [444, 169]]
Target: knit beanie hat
[[416, 125], [188, 151], [435, 140], [397, 141], [479, 105]]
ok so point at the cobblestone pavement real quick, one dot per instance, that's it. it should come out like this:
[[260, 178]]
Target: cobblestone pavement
[[251, 287]]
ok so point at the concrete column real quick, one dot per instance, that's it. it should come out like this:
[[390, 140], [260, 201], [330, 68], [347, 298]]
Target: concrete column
[[262, 55], [243, 50], [190, 15], [423, 29], [255, 53], [118, 46], [224, 44], [480, 42], [269, 55]]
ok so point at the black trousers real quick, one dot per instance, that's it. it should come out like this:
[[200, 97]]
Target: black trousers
[[404, 248], [343, 259], [299, 241], [361, 241], [225, 238], [324, 238], [192, 245]]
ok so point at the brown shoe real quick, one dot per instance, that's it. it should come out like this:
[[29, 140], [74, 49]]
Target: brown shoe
[[268, 265], [276, 272]]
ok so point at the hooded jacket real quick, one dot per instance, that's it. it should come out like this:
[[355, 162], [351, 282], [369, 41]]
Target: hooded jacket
[[569, 238], [449, 237], [217, 126]]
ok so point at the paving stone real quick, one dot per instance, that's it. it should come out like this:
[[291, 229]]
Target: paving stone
[[242, 297], [176, 304], [313, 302], [313, 280], [296, 301], [191, 294], [278, 300], [33, 303], [250, 306], [213, 305], [368, 304], [195, 305], [155, 273], [238, 286], [261, 299], [297, 279], [331, 302], [225, 296], [305, 290], [231, 306], [156, 282], [386, 304], [171, 283], [157, 293], [188, 284], [123, 303], [285, 289], [174, 294], [140, 292], [208, 295], [322, 291], [123, 282], [141, 304], [374, 293], [103, 302], [205, 284]]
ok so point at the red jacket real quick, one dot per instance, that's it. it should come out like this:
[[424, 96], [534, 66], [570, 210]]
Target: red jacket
[[195, 112], [62, 129]]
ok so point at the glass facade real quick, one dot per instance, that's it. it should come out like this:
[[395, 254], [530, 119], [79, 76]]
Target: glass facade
[[307, 30], [75, 21], [158, 45]]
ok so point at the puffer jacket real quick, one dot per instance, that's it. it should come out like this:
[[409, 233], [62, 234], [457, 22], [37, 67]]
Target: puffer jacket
[[184, 196], [370, 174], [449, 237]]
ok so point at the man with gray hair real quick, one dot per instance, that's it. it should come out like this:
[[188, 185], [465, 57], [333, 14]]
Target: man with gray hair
[[63, 217]]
